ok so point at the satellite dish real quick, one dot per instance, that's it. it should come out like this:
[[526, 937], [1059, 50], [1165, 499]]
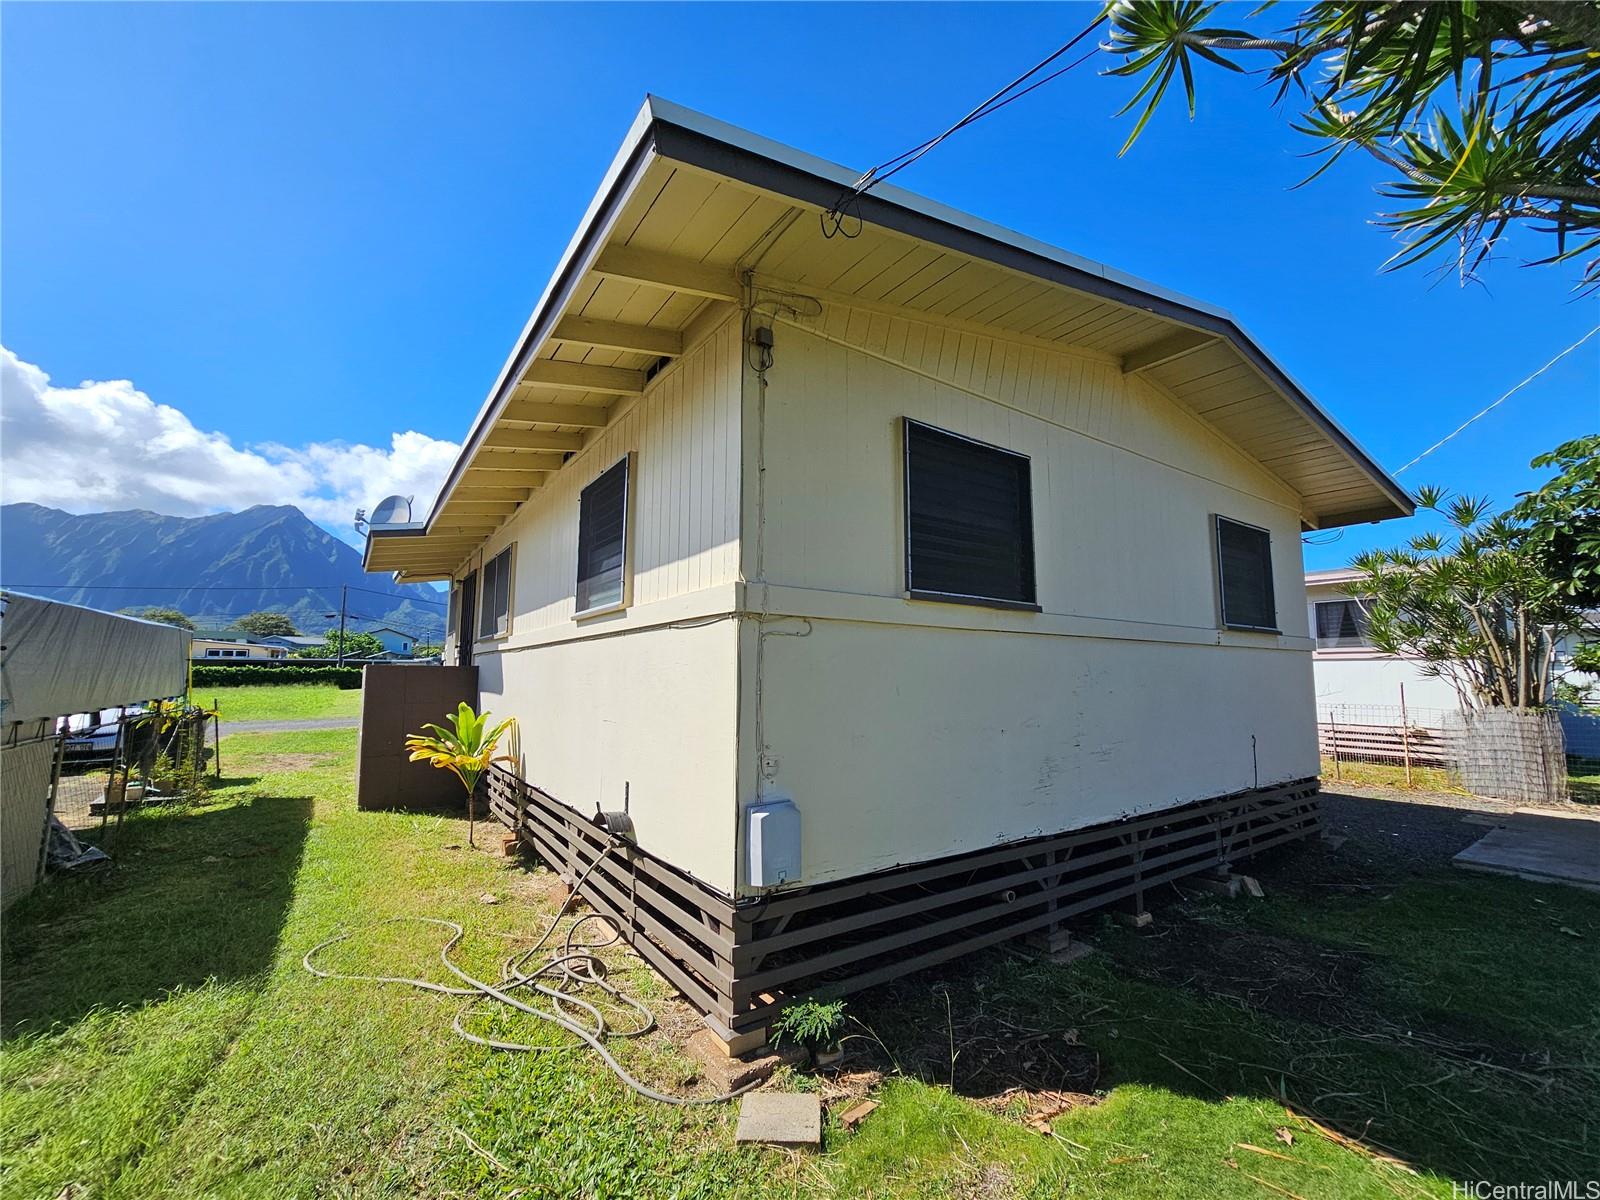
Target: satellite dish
[[392, 510]]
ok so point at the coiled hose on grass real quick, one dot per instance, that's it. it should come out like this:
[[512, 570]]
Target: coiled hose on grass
[[575, 966]]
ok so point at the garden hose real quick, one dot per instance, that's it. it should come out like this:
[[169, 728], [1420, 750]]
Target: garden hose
[[575, 966]]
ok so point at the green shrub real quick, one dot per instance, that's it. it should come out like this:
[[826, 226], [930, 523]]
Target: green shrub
[[209, 676], [814, 1024]]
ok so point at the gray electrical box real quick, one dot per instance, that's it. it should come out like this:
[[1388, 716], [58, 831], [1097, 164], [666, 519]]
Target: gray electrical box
[[772, 838]]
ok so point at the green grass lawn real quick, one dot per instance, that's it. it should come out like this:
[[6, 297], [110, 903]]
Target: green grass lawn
[[1583, 782], [281, 702], [162, 1038], [1585, 785]]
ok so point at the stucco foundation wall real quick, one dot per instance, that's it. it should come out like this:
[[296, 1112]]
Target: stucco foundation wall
[[648, 716], [904, 743]]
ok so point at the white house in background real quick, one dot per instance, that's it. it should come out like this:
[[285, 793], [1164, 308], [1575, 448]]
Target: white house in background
[[211, 646], [1349, 672], [832, 546]]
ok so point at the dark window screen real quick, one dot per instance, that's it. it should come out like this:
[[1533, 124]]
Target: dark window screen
[[495, 608], [1244, 560], [969, 519], [602, 539]]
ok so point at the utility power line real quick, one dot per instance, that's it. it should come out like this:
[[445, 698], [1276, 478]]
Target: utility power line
[[217, 587], [1485, 411], [993, 104]]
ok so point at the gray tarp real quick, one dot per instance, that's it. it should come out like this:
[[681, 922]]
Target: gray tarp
[[57, 659]]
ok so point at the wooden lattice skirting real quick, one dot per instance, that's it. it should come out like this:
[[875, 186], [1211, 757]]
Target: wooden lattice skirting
[[738, 963]]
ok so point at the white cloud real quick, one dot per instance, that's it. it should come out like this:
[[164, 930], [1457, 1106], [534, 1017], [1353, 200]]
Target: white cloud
[[106, 445]]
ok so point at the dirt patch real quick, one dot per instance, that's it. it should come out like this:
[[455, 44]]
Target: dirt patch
[[1037, 1110], [1304, 981], [303, 761], [1276, 975], [968, 1032]]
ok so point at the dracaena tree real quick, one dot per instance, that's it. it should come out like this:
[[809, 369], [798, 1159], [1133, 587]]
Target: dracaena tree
[[1474, 604], [1488, 114]]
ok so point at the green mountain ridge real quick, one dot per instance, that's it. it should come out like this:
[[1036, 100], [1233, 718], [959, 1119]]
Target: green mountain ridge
[[213, 568]]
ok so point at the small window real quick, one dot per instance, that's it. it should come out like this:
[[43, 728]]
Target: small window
[[603, 542], [1244, 568], [213, 652], [494, 610], [969, 520], [1341, 624]]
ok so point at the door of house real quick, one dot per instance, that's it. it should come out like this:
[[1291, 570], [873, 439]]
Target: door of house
[[466, 614]]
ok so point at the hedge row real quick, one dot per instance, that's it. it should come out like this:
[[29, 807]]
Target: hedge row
[[348, 678]]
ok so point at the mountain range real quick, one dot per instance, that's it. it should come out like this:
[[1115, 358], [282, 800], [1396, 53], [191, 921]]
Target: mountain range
[[214, 568]]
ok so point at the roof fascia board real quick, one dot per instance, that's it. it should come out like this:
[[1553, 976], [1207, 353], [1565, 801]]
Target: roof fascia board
[[725, 150], [629, 165]]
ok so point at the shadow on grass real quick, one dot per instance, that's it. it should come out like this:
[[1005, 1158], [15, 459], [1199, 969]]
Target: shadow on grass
[[1445, 1017], [190, 895]]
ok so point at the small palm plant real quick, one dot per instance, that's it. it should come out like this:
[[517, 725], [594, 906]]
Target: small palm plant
[[467, 748]]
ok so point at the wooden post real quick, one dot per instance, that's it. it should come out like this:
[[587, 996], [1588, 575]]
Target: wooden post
[[216, 734], [1405, 734], [1333, 736]]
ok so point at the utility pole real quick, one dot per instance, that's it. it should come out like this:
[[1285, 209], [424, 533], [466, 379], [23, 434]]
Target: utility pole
[[344, 592]]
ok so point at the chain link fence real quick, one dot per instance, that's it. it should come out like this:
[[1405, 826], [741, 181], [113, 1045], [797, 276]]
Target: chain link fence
[[115, 761]]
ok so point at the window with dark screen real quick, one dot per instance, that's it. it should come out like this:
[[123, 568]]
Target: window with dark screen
[[969, 520], [603, 541], [494, 607], [1244, 568]]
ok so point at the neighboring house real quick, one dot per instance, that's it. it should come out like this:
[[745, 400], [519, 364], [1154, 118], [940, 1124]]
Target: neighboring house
[[210, 644], [883, 567], [1349, 672], [394, 642], [293, 643]]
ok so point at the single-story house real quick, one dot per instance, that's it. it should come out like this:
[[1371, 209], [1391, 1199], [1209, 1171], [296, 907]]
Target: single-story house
[[1363, 693], [909, 583], [211, 646], [1350, 673]]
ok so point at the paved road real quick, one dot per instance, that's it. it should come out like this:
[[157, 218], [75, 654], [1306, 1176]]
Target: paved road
[[288, 726]]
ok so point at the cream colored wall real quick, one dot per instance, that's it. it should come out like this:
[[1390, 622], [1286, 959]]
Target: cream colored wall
[[647, 697], [905, 730], [649, 715], [24, 788], [684, 504]]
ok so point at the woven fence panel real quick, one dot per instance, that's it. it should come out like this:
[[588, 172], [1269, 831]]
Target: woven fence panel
[[1514, 756]]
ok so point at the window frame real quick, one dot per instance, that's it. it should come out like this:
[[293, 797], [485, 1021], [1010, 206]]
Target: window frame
[[1217, 520], [1028, 539], [625, 596], [486, 594], [1363, 633]]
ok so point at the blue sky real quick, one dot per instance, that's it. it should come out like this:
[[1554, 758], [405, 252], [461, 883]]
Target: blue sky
[[318, 225]]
